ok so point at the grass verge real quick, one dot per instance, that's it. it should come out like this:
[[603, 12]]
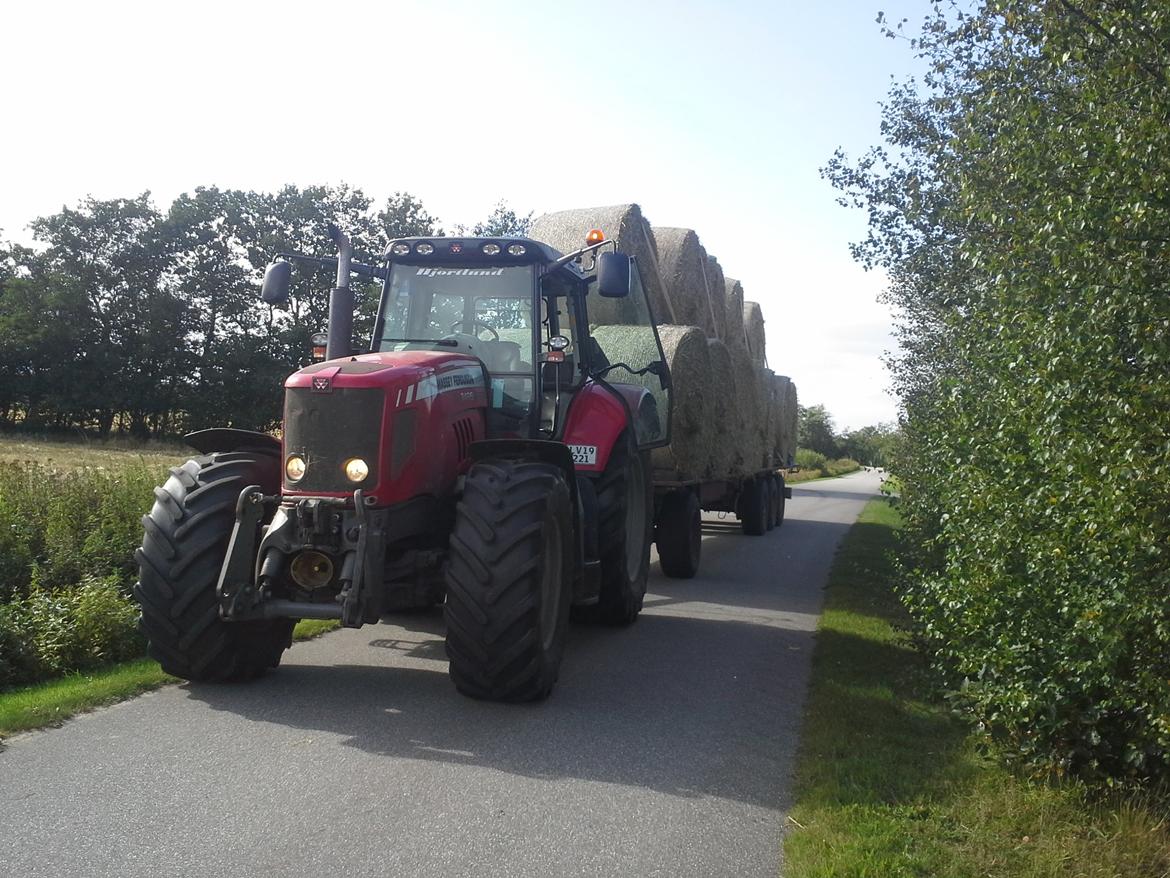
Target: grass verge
[[890, 784], [54, 701]]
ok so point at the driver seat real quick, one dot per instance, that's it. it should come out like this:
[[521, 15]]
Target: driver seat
[[501, 356]]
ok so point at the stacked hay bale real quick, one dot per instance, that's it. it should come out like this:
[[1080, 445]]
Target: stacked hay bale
[[731, 414], [624, 225], [693, 433], [784, 429], [682, 263], [723, 415], [753, 331], [717, 293], [733, 295]]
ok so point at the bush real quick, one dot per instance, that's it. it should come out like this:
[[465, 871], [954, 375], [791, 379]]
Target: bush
[[813, 465], [67, 543], [48, 633], [808, 459]]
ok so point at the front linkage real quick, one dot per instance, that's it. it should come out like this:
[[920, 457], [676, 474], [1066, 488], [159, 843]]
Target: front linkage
[[339, 543]]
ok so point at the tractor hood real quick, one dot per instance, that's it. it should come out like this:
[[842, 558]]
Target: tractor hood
[[379, 409], [401, 369]]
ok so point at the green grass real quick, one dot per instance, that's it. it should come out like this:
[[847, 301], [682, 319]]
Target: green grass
[[889, 783], [45, 704], [53, 702]]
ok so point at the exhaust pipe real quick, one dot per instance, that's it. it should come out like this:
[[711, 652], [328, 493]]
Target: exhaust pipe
[[340, 300]]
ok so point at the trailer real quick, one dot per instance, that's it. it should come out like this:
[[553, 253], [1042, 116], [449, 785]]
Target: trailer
[[757, 499]]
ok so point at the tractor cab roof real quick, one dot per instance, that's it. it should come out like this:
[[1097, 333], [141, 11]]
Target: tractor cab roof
[[504, 250]]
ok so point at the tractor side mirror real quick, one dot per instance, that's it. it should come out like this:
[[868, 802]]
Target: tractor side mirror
[[613, 275], [277, 282]]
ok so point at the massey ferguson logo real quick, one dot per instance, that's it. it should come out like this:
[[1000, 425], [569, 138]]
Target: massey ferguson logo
[[322, 384]]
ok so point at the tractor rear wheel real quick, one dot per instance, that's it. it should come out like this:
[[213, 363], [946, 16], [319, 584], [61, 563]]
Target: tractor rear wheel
[[679, 535], [753, 507], [625, 531], [509, 581], [183, 547]]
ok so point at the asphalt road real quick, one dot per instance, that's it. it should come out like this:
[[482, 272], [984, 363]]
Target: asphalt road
[[665, 749]]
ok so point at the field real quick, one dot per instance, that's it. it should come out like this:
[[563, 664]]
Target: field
[[70, 455]]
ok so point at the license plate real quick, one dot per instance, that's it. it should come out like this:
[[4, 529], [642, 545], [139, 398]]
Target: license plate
[[584, 453]]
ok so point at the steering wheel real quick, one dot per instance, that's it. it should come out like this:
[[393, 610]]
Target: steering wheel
[[474, 324]]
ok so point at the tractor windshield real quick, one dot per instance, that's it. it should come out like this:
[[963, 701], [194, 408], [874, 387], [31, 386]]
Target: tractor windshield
[[486, 311]]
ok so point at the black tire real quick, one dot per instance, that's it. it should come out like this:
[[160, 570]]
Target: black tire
[[679, 535], [625, 531], [509, 581], [780, 499], [753, 507], [773, 501], [183, 547]]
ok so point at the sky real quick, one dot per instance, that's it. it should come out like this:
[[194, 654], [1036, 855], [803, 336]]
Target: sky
[[711, 116]]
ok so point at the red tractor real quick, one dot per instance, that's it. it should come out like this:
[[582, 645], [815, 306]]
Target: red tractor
[[485, 454]]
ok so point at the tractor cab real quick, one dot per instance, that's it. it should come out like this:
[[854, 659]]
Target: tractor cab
[[519, 307]]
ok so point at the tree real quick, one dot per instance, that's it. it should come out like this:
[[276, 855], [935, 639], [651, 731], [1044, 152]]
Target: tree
[[1020, 210], [403, 216], [502, 222], [815, 431], [870, 446], [116, 255]]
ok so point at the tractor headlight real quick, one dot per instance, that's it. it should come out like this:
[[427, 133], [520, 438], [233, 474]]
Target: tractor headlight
[[424, 248], [356, 469], [517, 249], [400, 249], [294, 468]]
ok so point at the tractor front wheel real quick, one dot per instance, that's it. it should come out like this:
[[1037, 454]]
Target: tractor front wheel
[[183, 547], [509, 581]]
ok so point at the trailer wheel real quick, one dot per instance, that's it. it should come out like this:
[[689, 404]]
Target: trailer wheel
[[773, 501], [753, 507], [509, 581], [184, 544], [625, 531], [780, 499], [679, 535]]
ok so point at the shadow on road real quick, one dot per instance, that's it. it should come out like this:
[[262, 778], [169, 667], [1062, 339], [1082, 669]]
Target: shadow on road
[[701, 697]]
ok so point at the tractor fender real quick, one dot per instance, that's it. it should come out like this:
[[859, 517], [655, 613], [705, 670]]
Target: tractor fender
[[597, 418], [230, 439]]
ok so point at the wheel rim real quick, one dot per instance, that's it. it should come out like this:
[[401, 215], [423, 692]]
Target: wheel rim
[[550, 585], [635, 518]]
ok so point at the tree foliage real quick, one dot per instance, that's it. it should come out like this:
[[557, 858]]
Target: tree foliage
[[125, 318], [1021, 207]]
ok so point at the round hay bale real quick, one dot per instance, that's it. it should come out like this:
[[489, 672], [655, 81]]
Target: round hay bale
[[724, 401], [748, 449], [685, 348], [771, 417], [753, 330], [682, 263], [625, 226], [791, 421], [734, 302], [717, 292], [782, 434]]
